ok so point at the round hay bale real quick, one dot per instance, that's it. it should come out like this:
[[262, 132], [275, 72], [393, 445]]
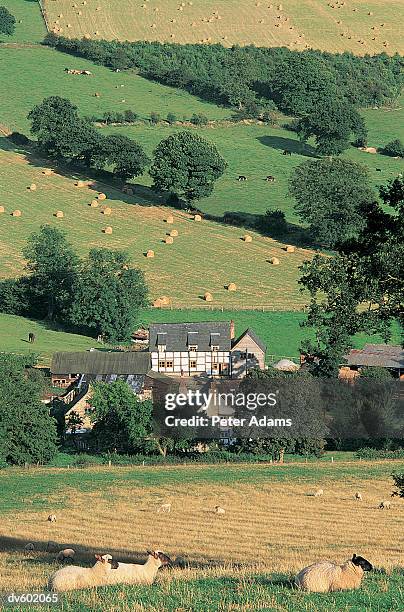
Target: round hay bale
[[59, 214], [157, 303], [232, 287], [32, 187], [107, 211], [247, 238], [174, 233], [102, 196], [165, 300], [169, 240], [274, 261], [289, 248], [170, 219], [107, 230], [94, 203], [150, 253], [16, 213], [208, 297], [197, 218], [47, 172], [1, 209], [80, 184]]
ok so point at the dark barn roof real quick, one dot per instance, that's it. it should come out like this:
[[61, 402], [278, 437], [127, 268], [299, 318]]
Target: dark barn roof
[[101, 363], [178, 336], [250, 332], [382, 355]]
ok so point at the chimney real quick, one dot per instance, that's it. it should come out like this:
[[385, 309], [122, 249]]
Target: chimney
[[232, 332]]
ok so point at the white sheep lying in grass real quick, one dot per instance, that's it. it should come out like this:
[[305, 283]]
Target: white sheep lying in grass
[[325, 576], [385, 505], [131, 573], [219, 510], [318, 493], [75, 577]]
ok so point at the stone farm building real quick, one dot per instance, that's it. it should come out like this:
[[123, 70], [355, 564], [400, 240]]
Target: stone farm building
[[374, 355]]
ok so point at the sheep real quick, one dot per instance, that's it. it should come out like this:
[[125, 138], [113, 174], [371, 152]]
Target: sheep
[[318, 493], [164, 508], [358, 496], [219, 510], [52, 546], [67, 554], [326, 577], [131, 573], [52, 518], [385, 505], [29, 547], [74, 577]]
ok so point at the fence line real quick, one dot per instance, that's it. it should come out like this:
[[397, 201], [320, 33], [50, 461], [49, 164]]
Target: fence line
[[44, 14], [258, 308]]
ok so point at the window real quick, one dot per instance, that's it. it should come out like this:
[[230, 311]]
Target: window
[[193, 347], [214, 347], [215, 366], [162, 364], [169, 364], [192, 363], [161, 348]]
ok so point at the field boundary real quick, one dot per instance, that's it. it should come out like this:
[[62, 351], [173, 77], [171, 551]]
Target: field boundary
[[44, 15]]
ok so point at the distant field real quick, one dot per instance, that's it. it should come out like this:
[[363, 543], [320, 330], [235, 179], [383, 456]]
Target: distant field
[[297, 24], [243, 560], [30, 26]]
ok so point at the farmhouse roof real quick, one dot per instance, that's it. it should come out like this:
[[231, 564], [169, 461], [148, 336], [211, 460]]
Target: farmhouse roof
[[178, 336], [250, 332], [382, 355], [101, 362]]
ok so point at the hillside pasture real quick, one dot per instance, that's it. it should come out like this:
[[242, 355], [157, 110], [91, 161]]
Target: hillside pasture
[[206, 256], [273, 527], [29, 27], [296, 24]]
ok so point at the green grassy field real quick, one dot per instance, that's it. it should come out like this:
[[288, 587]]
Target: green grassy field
[[30, 27], [296, 24], [232, 563]]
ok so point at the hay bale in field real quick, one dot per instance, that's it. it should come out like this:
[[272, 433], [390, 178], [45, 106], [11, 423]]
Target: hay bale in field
[[208, 297], [80, 184], [174, 233], [94, 203], [170, 219], [289, 248], [169, 240], [150, 253], [47, 172], [16, 213], [157, 303], [247, 238], [197, 218], [2, 209], [32, 187], [59, 214], [274, 261], [232, 287], [102, 196], [107, 210], [165, 300], [107, 230]]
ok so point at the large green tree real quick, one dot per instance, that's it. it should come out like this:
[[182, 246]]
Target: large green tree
[[27, 432], [125, 156], [331, 197], [108, 295], [122, 421], [361, 289], [53, 267], [332, 122], [188, 165], [7, 22]]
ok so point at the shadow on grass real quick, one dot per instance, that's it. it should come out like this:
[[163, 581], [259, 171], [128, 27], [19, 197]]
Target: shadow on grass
[[288, 144]]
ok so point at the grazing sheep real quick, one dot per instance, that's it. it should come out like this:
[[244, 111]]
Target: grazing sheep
[[318, 493], [52, 546], [52, 518], [29, 547], [164, 508], [358, 496], [325, 577], [385, 505], [131, 573], [75, 577], [219, 510], [67, 554]]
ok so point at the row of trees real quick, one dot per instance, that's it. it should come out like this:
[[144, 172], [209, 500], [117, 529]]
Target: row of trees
[[100, 294], [183, 164]]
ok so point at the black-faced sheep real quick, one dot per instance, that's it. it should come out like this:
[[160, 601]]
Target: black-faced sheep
[[358, 496], [131, 573], [325, 576], [385, 505], [219, 510], [74, 577]]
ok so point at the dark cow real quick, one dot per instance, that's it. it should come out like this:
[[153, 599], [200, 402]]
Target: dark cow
[[287, 152], [270, 179], [242, 178], [31, 337]]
